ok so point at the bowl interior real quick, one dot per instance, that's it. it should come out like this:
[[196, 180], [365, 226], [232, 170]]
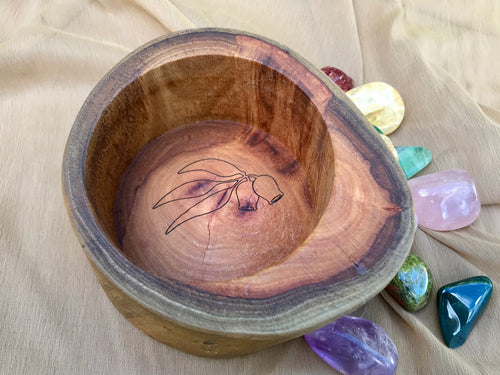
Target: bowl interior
[[291, 211], [208, 168]]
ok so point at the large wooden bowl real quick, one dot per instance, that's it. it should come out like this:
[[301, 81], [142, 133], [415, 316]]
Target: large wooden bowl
[[229, 196]]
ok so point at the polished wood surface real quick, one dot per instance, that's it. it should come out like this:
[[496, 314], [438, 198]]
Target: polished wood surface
[[232, 189], [212, 202]]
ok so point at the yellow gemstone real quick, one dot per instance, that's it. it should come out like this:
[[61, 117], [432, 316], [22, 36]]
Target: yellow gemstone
[[380, 103], [388, 142]]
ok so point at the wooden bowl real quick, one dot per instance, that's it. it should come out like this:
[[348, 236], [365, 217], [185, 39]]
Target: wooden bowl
[[229, 196]]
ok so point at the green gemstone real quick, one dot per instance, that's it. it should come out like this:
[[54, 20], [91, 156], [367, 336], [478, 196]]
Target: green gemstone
[[413, 159], [460, 305], [412, 286]]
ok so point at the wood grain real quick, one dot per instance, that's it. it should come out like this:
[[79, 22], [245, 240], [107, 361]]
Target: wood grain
[[199, 227], [333, 240]]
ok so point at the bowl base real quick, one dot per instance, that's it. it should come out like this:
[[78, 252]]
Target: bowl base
[[212, 201]]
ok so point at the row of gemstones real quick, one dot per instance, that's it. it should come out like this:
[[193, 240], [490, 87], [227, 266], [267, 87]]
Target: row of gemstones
[[443, 201]]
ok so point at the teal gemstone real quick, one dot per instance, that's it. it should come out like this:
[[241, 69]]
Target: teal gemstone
[[460, 306], [413, 159], [412, 285]]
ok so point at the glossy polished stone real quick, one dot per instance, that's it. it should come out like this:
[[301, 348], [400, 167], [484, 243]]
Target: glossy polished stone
[[380, 103], [445, 200], [460, 305], [354, 345], [339, 77], [413, 159], [412, 285]]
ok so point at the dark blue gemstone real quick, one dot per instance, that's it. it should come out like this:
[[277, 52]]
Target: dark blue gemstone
[[460, 305]]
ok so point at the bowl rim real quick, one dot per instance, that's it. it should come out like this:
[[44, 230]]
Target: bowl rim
[[289, 314]]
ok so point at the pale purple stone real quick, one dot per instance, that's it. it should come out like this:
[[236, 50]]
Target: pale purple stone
[[445, 200], [354, 345]]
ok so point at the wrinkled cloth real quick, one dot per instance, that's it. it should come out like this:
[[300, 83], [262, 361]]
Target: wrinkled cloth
[[441, 56]]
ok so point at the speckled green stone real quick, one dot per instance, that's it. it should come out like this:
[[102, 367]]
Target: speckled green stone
[[412, 286]]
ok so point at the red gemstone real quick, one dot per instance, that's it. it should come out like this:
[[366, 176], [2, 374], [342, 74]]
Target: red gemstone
[[339, 77]]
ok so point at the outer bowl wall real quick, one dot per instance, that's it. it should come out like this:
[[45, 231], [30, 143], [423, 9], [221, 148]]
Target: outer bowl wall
[[369, 191]]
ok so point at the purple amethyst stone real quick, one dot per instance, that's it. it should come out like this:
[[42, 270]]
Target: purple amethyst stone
[[355, 346]]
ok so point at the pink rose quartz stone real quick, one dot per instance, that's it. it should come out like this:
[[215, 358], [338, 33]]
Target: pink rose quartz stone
[[445, 200]]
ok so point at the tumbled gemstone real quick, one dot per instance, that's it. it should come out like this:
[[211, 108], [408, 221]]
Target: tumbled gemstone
[[339, 77], [412, 285], [445, 200], [460, 306], [354, 345], [413, 159], [380, 103]]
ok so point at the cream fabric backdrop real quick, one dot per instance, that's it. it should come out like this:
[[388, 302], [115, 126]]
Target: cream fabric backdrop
[[443, 57]]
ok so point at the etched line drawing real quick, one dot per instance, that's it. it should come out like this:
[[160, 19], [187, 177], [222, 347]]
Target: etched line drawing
[[210, 194]]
